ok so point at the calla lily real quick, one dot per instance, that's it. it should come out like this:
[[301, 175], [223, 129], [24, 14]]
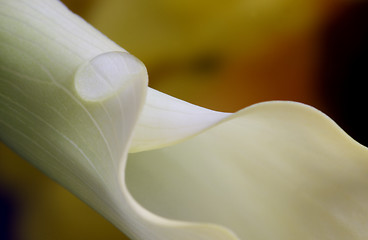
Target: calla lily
[[78, 107]]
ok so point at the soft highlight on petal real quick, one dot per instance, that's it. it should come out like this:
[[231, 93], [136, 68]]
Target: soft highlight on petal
[[79, 139], [277, 170], [72, 103], [107, 74], [166, 120]]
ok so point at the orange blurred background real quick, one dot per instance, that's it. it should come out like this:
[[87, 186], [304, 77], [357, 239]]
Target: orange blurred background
[[224, 55]]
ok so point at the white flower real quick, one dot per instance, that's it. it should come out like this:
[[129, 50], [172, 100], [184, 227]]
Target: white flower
[[74, 104]]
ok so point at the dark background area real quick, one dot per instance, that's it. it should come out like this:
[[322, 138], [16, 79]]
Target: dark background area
[[344, 70]]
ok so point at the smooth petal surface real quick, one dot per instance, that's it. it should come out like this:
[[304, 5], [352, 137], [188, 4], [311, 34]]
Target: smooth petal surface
[[76, 136], [166, 120], [277, 170], [69, 102]]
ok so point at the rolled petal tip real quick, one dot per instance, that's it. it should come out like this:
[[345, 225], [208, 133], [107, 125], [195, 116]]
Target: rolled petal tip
[[106, 74]]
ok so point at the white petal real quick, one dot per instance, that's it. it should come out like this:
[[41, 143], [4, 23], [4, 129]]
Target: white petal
[[166, 120], [277, 170], [69, 101], [280, 165]]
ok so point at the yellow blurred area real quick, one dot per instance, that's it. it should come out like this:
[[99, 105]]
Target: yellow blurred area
[[224, 55]]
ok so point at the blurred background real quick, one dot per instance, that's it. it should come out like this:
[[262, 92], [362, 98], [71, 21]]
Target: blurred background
[[223, 55]]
